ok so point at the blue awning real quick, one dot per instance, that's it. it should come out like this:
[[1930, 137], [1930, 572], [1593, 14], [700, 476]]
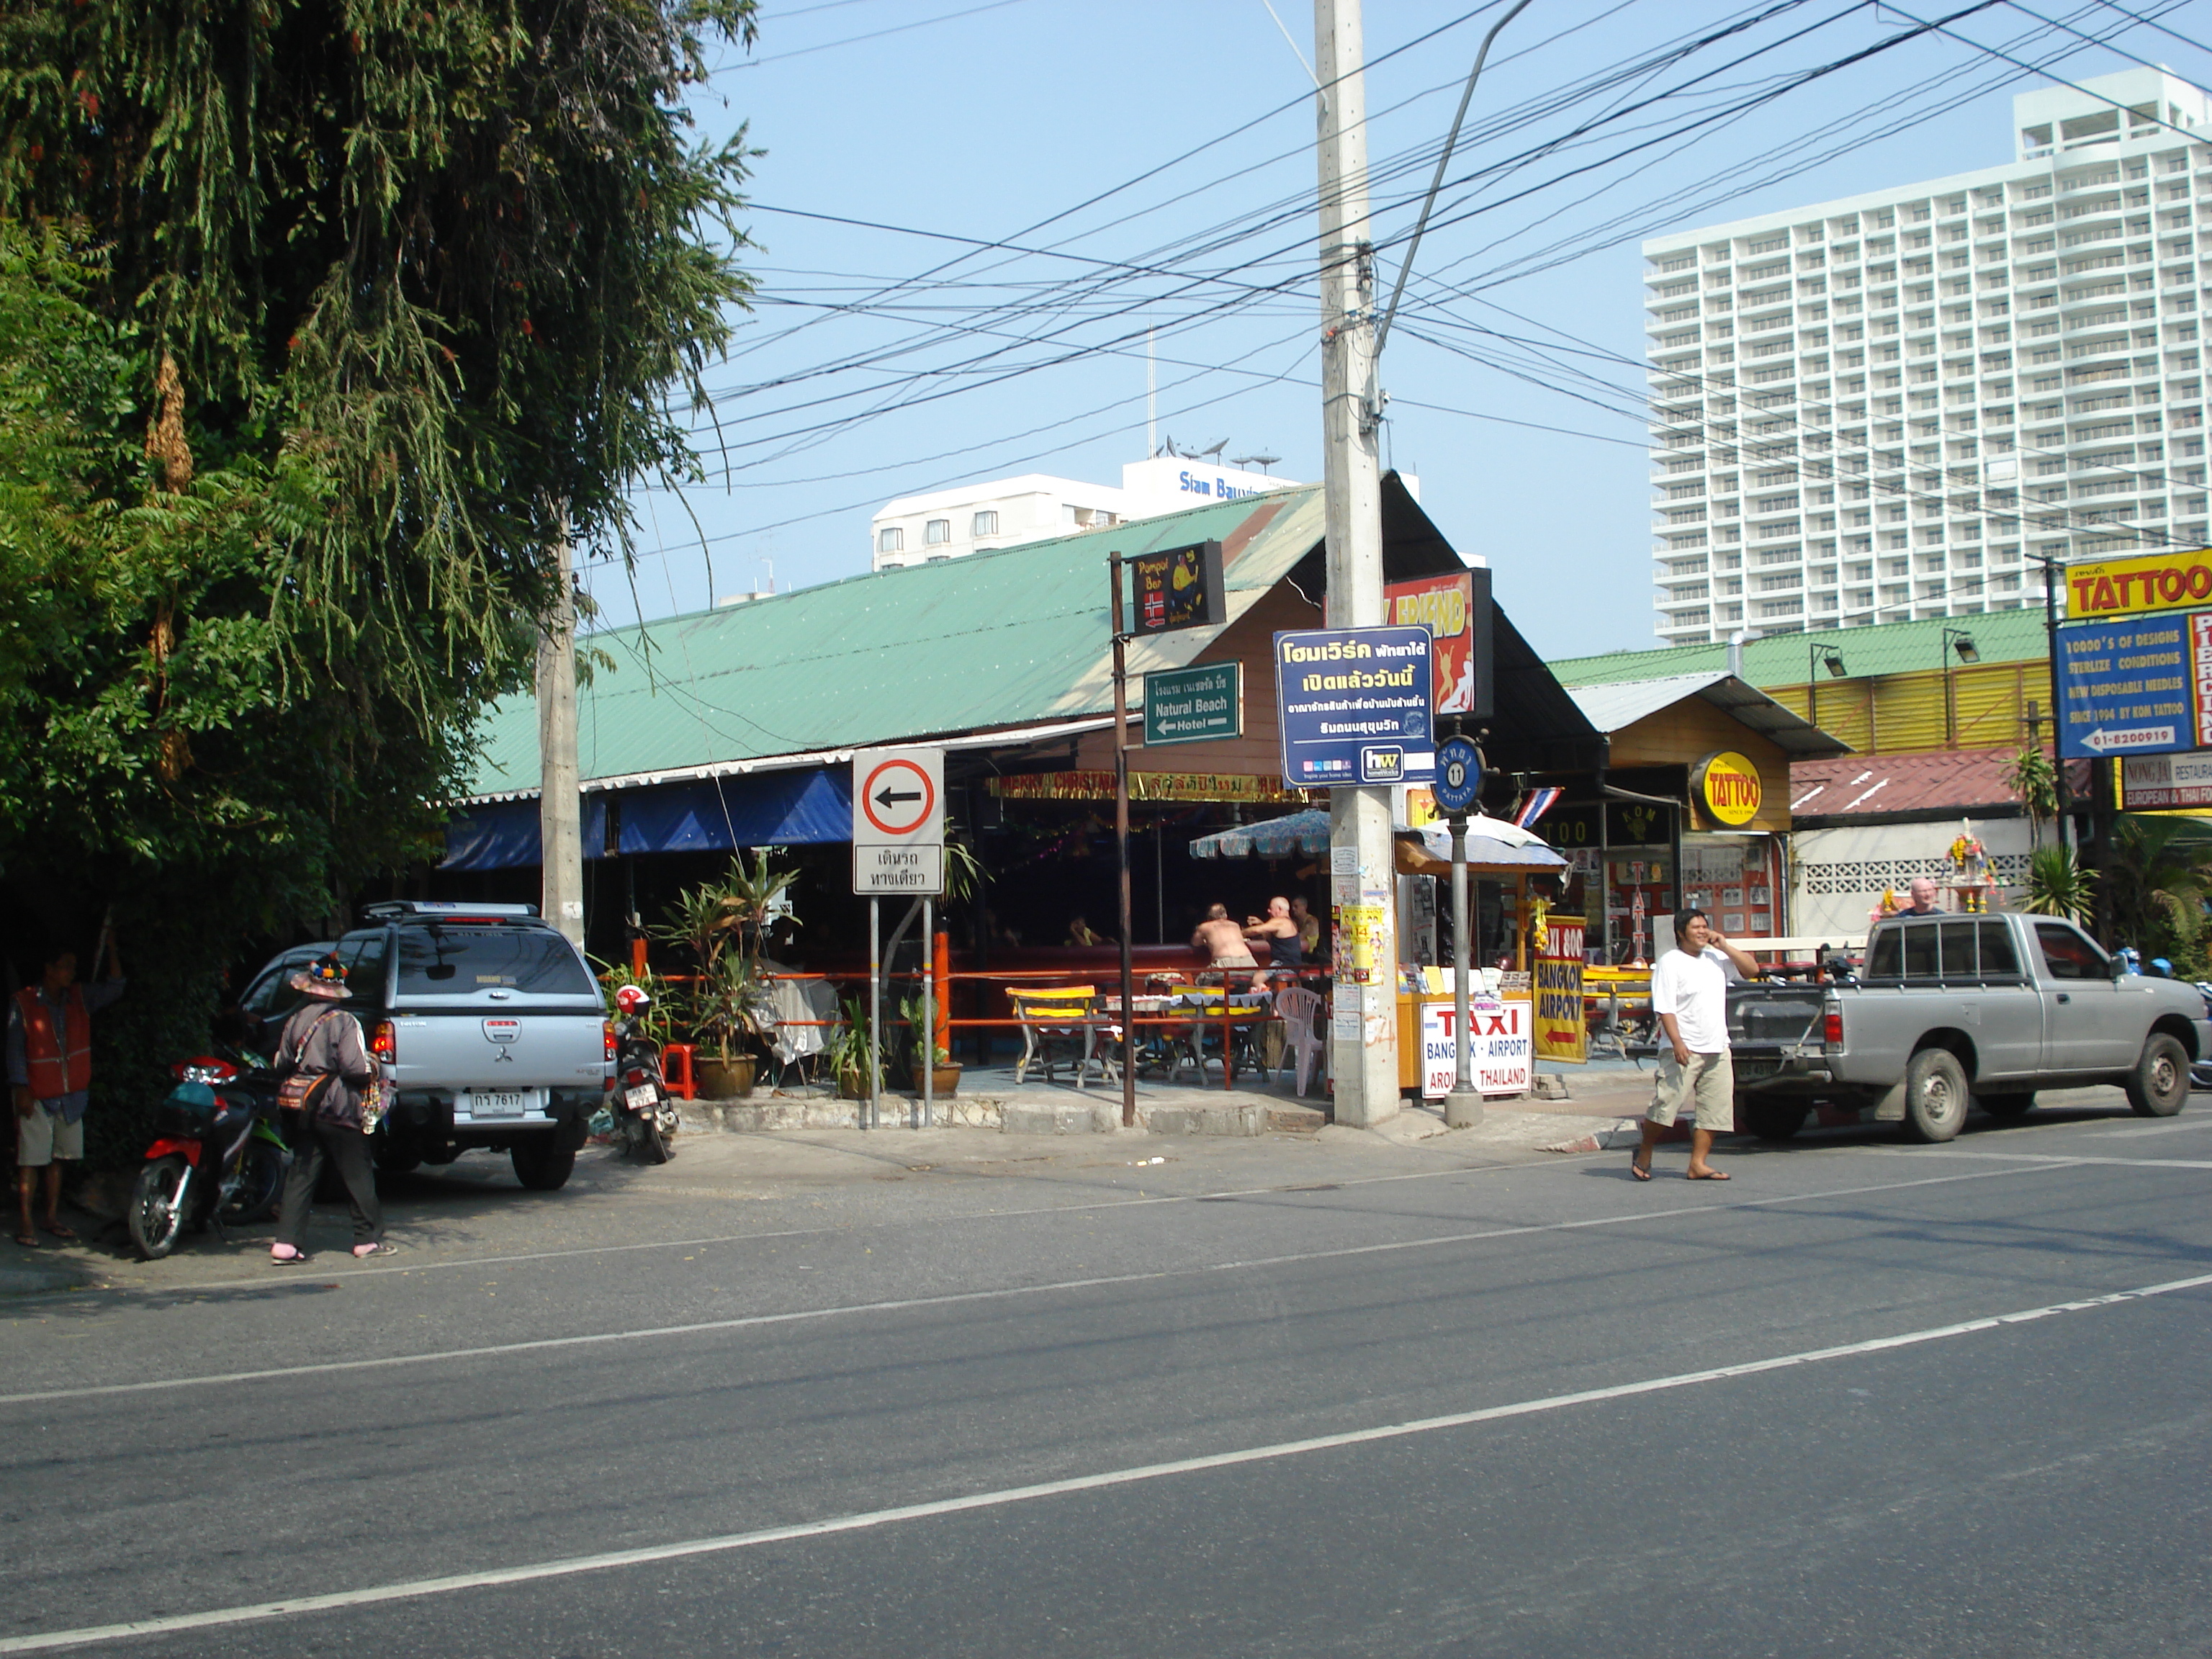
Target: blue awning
[[767, 809], [503, 835], [763, 809]]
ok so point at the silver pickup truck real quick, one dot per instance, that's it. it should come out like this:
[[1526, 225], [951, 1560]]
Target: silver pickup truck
[[1954, 1010], [491, 1030]]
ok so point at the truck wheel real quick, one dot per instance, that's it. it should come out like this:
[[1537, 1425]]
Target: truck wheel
[[1771, 1120], [2158, 1086], [2008, 1107], [1934, 1095], [394, 1156], [543, 1168]]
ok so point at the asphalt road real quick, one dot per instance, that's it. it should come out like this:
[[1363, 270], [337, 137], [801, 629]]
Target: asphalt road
[[951, 1395]]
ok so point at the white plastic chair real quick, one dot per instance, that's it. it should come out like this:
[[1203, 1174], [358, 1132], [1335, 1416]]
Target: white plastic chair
[[1298, 1009]]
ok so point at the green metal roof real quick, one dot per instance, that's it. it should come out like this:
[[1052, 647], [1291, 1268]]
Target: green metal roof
[[986, 640], [1781, 658]]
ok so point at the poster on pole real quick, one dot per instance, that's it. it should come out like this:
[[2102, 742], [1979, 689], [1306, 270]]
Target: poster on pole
[[1354, 703], [2135, 685]]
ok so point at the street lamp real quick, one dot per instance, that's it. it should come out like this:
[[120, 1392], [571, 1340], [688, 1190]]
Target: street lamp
[[1820, 653], [1958, 640]]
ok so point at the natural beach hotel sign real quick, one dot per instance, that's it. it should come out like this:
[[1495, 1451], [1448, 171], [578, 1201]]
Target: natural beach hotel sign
[[1193, 705], [898, 821], [1355, 706]]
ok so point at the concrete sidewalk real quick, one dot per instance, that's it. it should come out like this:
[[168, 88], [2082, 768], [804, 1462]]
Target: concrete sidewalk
[[990, 1099]]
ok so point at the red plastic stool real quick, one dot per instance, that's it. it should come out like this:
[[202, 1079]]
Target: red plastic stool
[[676, 1069]]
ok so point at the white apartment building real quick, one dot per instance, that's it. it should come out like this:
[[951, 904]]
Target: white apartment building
[[1891, 406], [1036, 505]]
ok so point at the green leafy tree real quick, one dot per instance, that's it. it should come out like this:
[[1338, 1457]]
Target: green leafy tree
[[2155, 881], [323, 322]]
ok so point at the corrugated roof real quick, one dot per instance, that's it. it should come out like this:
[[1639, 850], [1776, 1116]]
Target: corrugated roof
[[1961, 781], [1004, 639], [1620, 703], [1782, 658]]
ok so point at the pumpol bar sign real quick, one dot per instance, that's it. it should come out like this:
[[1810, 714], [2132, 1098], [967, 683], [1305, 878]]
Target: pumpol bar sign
[[1354, 706], [2138, 685]]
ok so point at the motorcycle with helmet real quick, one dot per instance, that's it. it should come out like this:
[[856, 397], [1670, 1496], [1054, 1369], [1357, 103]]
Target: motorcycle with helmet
[[645, 1116]]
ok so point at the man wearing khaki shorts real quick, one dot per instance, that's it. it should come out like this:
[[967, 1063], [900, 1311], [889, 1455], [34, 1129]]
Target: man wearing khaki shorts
[[1689, 994]]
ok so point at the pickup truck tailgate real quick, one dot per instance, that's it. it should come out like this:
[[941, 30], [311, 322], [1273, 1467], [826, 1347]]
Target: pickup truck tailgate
[[1774, 1016], [506, 1048]]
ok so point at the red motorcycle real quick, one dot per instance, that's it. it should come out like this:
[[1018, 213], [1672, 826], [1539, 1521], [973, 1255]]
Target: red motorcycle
[[216, 1156]]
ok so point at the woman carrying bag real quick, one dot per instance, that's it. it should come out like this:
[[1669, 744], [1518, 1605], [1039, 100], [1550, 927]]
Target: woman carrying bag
[[337, 1092]]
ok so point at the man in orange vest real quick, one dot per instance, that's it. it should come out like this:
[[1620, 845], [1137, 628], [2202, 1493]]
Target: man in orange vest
[[49, 1065]]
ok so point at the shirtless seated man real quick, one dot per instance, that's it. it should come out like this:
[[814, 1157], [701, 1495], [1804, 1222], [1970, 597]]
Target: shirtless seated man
[[1221, 941]]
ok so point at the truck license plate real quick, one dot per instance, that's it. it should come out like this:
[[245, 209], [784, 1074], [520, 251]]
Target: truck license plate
[[641, 1098], [510, 1102]]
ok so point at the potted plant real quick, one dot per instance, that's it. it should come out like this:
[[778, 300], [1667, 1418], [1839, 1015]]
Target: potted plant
[[846, 1054], [944, 1071], [730, 1008]]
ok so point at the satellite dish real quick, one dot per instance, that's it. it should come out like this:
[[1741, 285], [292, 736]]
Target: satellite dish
[[1214, 452], [1263, 462]]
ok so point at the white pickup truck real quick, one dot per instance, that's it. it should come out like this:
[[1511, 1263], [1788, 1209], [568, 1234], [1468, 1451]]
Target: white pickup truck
[[1950, 1011], [491, 1030]]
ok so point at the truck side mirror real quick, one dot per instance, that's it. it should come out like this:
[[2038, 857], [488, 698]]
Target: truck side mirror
[[2118, 969]]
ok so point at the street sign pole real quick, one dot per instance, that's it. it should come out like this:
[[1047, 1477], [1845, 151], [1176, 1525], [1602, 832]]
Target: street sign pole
[[1463, 1105], [1121, 846], [1364, 1023], [925, 1040], [1459, 783], [873, 1117]]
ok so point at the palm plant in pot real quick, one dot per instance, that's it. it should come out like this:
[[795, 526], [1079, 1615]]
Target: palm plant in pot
[[945, 1077], [847, 1054], [730, 1007]]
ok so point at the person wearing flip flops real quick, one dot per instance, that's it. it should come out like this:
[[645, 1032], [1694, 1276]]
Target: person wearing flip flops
[[322, 1040], [1689, 994], [49, 1069]]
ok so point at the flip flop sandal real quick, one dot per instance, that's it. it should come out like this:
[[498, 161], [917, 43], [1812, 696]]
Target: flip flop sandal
[[28, 1240], [297, 1259], [378, 1248], [53, 1232]]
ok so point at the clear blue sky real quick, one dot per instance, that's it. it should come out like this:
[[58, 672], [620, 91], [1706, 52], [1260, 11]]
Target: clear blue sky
[[959, 120]]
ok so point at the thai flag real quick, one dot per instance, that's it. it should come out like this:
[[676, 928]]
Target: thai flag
[[1540, 802]]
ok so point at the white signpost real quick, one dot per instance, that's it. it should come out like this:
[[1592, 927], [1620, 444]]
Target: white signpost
[[898, 847]]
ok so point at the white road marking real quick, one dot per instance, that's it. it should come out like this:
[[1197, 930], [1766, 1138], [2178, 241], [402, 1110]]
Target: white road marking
[[413, 1589], [2055, 1157], [2149, 1129], [744, 1321]]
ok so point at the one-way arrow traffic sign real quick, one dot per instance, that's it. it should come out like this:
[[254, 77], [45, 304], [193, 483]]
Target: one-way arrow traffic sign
[[898, 821]]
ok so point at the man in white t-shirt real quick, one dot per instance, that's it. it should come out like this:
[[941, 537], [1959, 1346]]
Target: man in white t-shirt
[[1689, 994]]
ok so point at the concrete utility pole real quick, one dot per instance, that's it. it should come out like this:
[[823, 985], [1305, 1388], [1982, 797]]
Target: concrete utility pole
[[560, 804], [1363, 1026]]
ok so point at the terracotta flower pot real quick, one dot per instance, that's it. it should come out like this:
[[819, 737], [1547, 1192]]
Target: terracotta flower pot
[[719, 1080], [945, 1080], [853, 1084]]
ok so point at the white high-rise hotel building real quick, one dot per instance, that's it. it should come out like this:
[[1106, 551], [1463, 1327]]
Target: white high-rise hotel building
[[1888, 407]]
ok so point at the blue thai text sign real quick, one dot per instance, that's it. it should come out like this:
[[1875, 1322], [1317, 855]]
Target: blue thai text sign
[[2134, 685], [1355, 708]]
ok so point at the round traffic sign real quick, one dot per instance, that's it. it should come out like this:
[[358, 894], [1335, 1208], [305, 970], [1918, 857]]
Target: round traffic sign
[[898, 797], [1458, 774]]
